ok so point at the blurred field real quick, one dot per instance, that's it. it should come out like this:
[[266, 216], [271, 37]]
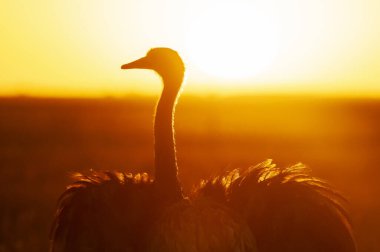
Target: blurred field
[[43, 140]]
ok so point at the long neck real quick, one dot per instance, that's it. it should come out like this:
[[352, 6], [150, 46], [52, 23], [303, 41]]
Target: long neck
[[165, 152]]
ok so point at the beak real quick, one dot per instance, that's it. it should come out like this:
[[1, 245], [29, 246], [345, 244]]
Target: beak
[[142, 63]]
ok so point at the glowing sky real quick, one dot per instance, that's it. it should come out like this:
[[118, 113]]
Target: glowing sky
[[75, 48]]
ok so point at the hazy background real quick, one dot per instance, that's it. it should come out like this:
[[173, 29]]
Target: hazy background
[[309, 92], [43, 140]]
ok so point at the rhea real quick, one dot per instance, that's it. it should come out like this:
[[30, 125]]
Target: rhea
[[260, 209]]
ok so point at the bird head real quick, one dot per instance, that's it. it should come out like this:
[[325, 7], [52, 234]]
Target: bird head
[[165, 61]]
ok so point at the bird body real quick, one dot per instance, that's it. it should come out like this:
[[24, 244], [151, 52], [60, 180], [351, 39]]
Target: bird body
[[261, 209]]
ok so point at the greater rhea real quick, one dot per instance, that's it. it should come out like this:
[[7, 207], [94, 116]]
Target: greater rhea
[[260, 209]]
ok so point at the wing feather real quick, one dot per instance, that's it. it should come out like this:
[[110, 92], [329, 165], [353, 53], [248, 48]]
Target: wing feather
[[287, 209], [290, 210], [103, 211]]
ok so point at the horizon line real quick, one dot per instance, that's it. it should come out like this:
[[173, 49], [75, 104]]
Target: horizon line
[[197, 95]]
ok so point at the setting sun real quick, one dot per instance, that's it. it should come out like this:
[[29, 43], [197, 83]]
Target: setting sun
[[233, 40]]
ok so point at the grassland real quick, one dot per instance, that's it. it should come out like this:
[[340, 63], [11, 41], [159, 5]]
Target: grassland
[[43, 140]]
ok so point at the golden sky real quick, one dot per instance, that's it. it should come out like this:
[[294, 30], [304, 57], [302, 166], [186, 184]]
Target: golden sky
[[75, 48]]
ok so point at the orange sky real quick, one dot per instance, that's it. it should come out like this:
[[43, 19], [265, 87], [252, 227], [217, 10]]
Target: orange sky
[[75, 48]]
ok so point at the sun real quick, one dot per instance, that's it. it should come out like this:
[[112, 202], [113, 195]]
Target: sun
[[233, 40]]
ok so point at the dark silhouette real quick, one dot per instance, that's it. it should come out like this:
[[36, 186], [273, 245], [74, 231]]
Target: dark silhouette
[[263, 208]]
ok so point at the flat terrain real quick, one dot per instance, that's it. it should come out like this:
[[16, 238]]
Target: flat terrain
[[43, 140]]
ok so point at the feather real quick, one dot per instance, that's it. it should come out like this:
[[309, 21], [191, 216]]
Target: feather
[[103, 211], [290, 210], [286, 209]]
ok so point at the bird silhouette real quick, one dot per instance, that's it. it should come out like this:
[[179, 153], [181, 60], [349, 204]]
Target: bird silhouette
[[260, 209]]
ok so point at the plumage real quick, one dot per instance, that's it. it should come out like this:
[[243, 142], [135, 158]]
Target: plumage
[[104, 211], [286, 209], [260, 209]]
